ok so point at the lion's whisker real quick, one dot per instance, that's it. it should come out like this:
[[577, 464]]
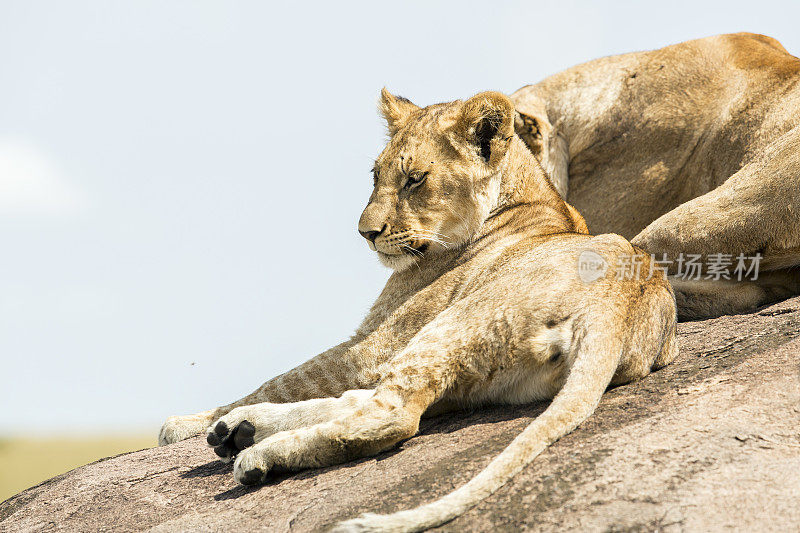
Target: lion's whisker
[[432, 236]]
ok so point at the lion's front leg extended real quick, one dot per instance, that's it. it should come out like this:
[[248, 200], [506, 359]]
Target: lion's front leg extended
[[410, 383], [353, 364], [379, 422], [708, 299], [436, 360], [347, 366], [249, 424]]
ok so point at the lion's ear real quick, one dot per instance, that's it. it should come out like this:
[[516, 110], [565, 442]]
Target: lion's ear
[[487, 122], [395, 109], [532, 125]]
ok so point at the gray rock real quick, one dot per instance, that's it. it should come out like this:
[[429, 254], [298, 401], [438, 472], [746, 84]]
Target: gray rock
[[710, 443]]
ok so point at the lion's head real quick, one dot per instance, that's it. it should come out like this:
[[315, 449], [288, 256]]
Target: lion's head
[[438, 177]]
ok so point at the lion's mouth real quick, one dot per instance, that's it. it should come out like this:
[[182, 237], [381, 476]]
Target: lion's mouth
[[406, 249], [415, 250]]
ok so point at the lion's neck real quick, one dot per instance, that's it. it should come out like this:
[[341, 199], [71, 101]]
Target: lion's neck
[[527, 198]]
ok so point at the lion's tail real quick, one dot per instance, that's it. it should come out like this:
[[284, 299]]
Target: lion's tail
[[596, 359]]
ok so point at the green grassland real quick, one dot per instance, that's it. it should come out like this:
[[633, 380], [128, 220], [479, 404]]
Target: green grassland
[[24, 462]]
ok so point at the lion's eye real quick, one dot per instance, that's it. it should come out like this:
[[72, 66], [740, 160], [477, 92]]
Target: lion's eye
[[374, 178], [414, 180]]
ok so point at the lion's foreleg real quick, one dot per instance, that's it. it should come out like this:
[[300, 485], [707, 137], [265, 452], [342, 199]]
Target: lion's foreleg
[[378, 422], [249, 424], [441, 355], [350, 365], [707, 299], [755, 213]]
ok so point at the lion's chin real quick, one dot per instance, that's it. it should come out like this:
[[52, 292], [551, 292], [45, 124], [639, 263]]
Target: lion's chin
[[398, 262]]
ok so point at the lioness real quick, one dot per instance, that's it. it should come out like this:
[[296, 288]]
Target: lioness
[[690, 149], [486, 305]]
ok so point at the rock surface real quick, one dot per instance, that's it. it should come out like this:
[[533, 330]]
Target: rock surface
[[710, 443]]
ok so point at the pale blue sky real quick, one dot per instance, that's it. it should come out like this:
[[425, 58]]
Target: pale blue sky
[[168, 241]]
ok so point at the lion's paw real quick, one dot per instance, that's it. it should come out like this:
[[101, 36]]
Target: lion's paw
[[178, 428], [245, 426], [252, 466], [229, 441]]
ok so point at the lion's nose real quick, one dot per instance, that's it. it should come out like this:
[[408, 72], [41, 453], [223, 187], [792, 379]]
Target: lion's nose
[[371, 235]]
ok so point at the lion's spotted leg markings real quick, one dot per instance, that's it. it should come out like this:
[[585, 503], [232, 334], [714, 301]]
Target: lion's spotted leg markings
[[247, 425]]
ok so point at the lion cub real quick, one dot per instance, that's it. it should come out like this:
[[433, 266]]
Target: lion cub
[[488, 303]]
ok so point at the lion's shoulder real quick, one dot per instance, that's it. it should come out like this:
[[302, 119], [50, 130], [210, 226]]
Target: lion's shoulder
[[753, 51]]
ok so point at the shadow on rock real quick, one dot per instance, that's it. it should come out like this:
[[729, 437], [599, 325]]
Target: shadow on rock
[[212, 468]]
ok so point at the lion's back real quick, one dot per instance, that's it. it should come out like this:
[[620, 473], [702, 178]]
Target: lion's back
[[652, 130]]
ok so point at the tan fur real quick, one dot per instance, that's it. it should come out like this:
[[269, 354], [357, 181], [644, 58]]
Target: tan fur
[[486, 305], [693, 148]]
